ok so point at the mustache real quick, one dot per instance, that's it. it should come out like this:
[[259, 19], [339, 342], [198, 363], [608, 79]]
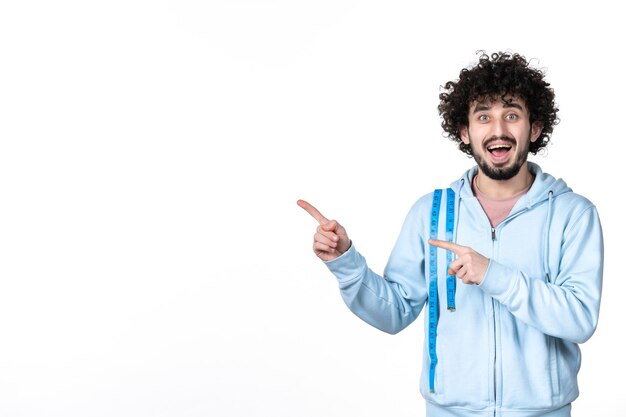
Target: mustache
[[506, 139]]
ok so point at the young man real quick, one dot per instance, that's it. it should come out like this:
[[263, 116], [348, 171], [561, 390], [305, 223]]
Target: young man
[[527, 250]]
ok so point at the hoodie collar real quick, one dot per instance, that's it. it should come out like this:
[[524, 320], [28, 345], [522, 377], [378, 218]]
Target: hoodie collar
[[539, 191]]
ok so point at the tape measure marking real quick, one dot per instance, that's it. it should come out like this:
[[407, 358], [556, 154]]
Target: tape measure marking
[[433, 294], [450, 279]]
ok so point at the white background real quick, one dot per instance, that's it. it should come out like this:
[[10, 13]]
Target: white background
[[153, 261]]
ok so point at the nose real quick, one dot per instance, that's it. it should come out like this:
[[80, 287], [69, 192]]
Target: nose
[[499, 128]]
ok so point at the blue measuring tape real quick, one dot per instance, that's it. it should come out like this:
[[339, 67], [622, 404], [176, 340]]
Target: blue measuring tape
[[433, 293], [450, 279]]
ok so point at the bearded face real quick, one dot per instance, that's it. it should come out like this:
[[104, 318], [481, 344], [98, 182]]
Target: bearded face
[[499, 135]]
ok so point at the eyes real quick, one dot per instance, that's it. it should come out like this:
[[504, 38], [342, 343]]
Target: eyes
[[509, 117]]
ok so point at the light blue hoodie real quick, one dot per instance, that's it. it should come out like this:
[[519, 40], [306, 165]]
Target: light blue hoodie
[[511, 346]]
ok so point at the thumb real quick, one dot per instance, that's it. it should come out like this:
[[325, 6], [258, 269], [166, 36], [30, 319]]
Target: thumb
[[330, 226]]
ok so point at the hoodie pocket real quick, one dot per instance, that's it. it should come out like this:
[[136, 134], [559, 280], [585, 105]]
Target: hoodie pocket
[[554, 367], [530, 370]]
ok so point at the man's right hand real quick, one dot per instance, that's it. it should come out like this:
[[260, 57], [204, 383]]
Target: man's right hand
[[331, 240]]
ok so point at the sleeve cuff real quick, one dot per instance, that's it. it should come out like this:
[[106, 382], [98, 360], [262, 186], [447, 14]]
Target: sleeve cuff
[[499, 281], [348, 266]]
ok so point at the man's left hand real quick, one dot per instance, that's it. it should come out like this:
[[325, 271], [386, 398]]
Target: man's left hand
[[469, 265]]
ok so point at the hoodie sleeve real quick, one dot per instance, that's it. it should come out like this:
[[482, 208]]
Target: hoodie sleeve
[[393, 301], [568, 306]]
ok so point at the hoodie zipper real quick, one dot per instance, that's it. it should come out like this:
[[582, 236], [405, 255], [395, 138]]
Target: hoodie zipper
[[493, 309], [495, 343]]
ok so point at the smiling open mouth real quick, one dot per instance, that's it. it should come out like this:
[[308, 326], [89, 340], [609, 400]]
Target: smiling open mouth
[[499, 149]]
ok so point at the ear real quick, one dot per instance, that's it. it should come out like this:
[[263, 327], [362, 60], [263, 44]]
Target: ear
[[464, 134], [535, 131]]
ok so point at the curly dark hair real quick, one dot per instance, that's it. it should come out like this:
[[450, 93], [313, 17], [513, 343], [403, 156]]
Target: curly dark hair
[[500, 74]]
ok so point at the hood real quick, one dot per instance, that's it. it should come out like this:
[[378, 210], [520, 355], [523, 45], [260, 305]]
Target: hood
[[544, 187]]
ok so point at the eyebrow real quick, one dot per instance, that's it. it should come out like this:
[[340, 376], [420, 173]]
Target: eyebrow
[[507, 104]]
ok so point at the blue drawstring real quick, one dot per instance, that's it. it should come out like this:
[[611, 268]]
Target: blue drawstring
[[546, 237]]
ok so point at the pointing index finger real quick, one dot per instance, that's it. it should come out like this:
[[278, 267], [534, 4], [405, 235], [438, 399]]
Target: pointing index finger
[[444, 244], [313, 212]]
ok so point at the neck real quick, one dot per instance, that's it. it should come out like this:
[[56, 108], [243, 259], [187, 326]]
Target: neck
[[500, 189]]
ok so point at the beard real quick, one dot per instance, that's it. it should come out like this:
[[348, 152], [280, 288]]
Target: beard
[[502, 173]]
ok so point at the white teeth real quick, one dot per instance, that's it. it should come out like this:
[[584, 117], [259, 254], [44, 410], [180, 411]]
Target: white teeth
[[498, 147]]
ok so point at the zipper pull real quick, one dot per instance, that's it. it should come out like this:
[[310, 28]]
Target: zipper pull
[[493, 233]]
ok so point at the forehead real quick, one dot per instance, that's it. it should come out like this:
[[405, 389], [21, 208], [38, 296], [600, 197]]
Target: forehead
[[489, 102]]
